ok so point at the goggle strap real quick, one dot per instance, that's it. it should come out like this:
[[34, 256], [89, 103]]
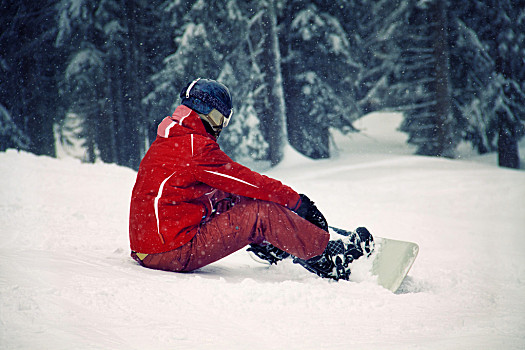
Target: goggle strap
[[191, 86]]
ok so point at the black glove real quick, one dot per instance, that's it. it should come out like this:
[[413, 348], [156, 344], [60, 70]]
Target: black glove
[[308, 211]]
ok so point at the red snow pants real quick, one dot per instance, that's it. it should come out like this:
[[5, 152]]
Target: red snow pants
[[249, 221]]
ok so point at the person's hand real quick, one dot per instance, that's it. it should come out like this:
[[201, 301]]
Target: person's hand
[[308, 211]]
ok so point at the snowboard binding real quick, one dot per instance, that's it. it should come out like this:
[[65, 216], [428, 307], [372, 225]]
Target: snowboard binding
[[268, 252], [335, 262]]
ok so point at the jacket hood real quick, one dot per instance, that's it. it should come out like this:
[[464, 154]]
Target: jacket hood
[[183, 121]]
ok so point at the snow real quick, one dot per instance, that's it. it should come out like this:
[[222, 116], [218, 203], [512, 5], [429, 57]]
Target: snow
[[67, 282]]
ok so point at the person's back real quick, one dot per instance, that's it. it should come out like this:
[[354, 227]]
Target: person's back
[[166, 193]]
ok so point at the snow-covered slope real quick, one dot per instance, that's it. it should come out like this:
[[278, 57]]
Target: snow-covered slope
[[66, 281]]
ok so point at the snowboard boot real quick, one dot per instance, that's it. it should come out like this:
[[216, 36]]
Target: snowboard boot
[[340, 252], [268, 252]]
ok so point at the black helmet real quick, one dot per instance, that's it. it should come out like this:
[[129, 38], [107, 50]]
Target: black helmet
[[211, 100], [203, 95]]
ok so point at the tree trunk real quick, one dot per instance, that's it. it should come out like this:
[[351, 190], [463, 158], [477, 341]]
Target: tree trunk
[[444, 147], [277, 133], [508, 153]]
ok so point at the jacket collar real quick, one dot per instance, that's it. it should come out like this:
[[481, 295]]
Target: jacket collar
[[186, 118]]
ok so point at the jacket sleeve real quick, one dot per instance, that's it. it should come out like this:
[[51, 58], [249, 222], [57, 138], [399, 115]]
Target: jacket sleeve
[[213, 167]]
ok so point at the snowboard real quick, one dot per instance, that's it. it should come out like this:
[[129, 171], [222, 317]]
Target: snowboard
[[391, 259]]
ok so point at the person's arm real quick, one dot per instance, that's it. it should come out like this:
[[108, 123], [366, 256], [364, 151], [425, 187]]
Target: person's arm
[[213, 167]]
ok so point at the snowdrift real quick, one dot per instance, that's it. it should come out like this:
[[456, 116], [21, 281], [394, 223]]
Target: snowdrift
[[67, 282]]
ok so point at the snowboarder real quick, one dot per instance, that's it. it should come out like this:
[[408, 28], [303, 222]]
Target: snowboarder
[[192, 205]]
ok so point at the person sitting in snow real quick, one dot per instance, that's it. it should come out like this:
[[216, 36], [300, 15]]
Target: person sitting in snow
[[192, 205]]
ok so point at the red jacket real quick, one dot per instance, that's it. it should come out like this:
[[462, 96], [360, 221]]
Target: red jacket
[[175, 178]]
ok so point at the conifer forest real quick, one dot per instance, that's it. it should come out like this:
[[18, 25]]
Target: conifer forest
[[101, 74]]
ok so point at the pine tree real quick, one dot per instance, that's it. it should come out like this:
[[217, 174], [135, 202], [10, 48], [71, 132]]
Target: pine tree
[[214, 40], [194, 52], [339, 57], [107, 74], [424, 71], [320, 71], [81, 36], [29, 66], [243, 140], [274, 110], [471, 77], [510, 106], [488, 77], [83, 74], [10, 134], [373, 29], [295, 69], [129, 66]]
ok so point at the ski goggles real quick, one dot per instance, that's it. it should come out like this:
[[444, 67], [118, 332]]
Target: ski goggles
[[217, 119]]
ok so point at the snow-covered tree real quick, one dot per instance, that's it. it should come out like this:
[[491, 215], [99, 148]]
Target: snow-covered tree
[[339, 57], [195, 53], [319, 74], [82, 77], [29, 64], [273, 111], [508, 19], [244, 139], [214, 40], [130, 45], [10, 134], [489, 72], [107, 73], [372, 30], [425, 72], [295, 69], [82, 86], [471, 76]]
